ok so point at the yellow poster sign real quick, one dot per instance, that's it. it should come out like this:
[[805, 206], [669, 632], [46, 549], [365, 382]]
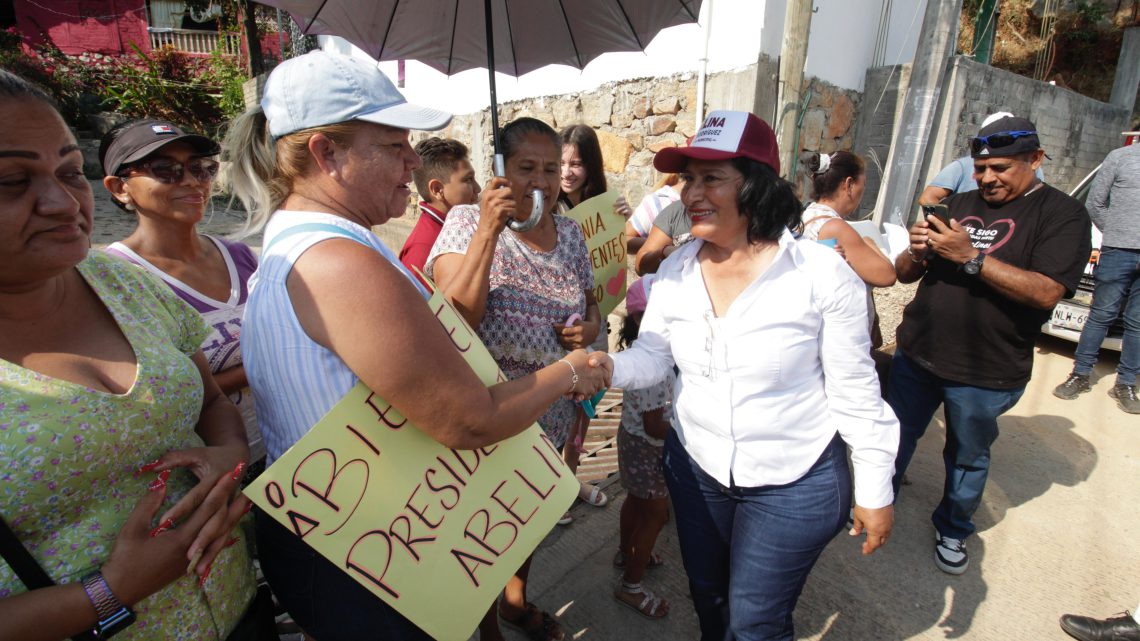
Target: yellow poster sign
[[434, 532], [605, 239]]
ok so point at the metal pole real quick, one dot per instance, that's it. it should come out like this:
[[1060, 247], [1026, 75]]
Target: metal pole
[[491, 77], [985, 25], [703, 77]]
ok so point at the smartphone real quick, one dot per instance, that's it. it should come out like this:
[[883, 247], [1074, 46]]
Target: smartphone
[[939, 211]]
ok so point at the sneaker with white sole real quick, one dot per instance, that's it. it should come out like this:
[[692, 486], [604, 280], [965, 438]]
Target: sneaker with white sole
[[950, 555]]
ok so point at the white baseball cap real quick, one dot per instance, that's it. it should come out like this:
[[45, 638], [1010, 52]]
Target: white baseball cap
[[322, 88]]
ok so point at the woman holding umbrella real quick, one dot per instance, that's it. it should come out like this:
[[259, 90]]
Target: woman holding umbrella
[[776, 382], [529, 295], [331, 305]]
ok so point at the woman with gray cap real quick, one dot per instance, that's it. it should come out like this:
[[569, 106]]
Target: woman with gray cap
[[325, 159], [165, 177]]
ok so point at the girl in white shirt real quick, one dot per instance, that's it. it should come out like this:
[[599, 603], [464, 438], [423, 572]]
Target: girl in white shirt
[[776, 381]]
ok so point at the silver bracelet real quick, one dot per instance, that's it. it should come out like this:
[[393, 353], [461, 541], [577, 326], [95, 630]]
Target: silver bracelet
[[573, 374]]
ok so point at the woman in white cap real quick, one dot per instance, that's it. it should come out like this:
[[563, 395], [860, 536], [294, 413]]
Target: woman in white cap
[[325, 159], [776, 382], [165, 177]]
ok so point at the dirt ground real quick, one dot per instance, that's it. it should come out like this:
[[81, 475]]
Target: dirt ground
[[1056, 533]]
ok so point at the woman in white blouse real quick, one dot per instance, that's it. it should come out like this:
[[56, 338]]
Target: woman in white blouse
[[770, 337]]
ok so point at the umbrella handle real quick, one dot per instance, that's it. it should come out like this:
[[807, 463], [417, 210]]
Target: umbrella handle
[[536, 197]]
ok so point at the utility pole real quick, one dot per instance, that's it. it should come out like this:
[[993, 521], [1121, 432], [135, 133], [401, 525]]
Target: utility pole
[[793, 55], [936, 44], [985, 26]]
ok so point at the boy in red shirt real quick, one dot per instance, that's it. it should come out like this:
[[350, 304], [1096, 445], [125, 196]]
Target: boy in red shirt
[[445, 180]]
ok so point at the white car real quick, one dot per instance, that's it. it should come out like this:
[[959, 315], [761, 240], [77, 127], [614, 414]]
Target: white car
[[1070, 314]]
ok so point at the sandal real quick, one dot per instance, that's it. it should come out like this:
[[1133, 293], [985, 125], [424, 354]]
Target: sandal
[[655, 560], [566, 519], [651, 606], [595, 496], [545, 629]]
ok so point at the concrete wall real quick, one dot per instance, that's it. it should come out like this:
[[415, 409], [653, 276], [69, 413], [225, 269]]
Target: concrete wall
[[1076, 131], [875, 125]]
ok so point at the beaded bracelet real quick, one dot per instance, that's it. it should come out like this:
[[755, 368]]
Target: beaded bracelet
[[573, 375]]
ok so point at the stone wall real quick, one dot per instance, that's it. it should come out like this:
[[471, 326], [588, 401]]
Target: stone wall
[[636, 118], [828, 125]]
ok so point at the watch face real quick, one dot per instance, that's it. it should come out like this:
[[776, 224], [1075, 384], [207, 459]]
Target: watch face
[[972, 266]]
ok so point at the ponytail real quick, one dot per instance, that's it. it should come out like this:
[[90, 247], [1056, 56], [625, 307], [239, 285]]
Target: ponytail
[[252, 174]]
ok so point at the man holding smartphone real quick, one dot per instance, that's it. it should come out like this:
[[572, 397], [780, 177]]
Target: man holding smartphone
[[990, 272]]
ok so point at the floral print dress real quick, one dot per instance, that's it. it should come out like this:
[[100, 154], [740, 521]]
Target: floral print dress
[[531, 291], [69, 457]]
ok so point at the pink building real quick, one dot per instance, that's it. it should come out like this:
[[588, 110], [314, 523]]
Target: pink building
[[111, 27]]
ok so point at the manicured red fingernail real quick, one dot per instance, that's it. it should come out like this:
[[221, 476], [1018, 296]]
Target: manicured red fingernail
[[237, 471], [231, 542], [162, 527], [149, 467], [248, 507], [205, 575], [156, 484]]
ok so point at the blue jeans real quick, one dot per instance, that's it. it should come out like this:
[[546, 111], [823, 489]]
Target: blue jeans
[[748, 551], [1117, 285], [322, 598], [971, 428]]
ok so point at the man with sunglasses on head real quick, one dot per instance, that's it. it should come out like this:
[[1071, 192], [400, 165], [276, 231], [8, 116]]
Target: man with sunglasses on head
[[990, 276], [958, 176]]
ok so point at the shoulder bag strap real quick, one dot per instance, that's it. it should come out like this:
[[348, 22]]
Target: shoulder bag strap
[[21, 561]]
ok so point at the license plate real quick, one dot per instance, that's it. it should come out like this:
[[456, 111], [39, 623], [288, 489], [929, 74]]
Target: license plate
[[1069, 316]]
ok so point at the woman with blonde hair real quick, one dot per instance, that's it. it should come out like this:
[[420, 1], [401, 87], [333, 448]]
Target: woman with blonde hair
[[330, 305]]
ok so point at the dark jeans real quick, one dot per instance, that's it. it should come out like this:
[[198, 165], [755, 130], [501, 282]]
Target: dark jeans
[[324, 600], [748, 550], [971, 428], [1117, 285]]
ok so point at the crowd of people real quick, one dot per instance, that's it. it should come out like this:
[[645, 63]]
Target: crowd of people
[[752, 409]]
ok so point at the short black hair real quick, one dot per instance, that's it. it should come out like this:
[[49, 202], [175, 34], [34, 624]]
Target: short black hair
[[768, 202], [440, 157], [585, 140]]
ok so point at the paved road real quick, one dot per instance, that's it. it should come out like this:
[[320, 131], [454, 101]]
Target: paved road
[[1058, 531]]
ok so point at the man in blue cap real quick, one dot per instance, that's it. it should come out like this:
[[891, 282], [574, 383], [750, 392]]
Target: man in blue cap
[[991, 274]]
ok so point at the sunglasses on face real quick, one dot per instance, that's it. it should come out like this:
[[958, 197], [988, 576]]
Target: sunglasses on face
[[169, 172], [998, 140]]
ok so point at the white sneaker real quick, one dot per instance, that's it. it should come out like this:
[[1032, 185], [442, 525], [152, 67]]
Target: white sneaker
[[950, 555]]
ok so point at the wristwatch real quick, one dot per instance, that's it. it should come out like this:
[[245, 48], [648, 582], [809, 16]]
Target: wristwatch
[[114, 617], [974, 265]]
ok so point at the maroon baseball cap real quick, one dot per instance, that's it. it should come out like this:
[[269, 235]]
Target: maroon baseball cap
[[724, 135]]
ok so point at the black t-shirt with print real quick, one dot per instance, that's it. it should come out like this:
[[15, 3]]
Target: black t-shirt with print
[[963, 330]]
